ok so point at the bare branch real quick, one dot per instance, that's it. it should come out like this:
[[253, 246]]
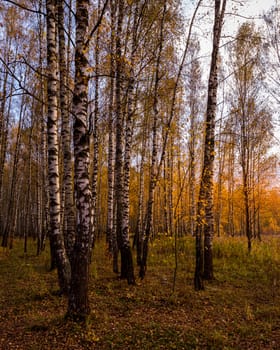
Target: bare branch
[[242, 16], [13, 75], [25, 8], [97, 23]]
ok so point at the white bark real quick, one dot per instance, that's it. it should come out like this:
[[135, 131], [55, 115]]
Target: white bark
[[53, 167], [78, 306]]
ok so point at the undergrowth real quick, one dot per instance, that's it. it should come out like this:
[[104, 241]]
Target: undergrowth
[[238, 310]]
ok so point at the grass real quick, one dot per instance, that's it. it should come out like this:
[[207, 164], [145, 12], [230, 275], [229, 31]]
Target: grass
[[240, 309]]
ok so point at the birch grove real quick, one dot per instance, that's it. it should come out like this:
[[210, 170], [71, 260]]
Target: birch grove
[[111, 115]]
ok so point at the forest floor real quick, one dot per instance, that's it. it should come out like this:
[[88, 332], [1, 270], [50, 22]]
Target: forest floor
[[240, 309]]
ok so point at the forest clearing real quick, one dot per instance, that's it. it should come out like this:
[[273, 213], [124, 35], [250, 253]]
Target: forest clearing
[[240, 309]]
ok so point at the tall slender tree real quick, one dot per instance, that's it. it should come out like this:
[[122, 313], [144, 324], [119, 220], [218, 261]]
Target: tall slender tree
[[56, 236], [153, 175], [247, 109], [69, 214], [121, 212], [95, 123], [12, 203], [111, 232], [194, 83], [205, 217], [78, 304]]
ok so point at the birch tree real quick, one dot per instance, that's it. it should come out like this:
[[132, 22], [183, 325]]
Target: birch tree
[[121, 184], [153, 175], [78, 303], [128, 142], [56, 236], [251, 115], [12, 203], [193, 85], [110, 229], [69, 215], [205, 217]]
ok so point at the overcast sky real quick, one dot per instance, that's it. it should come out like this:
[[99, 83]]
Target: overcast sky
[[244, 10], [250, 8], [258, 6]]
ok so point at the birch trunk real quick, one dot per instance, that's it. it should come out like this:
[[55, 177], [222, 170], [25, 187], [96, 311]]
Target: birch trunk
[[12, 203], [205, 217], [78, 303], [138, 238], [245, 161], [153, 176], [111, 232], [27, 218], [56, 236], [120, 182], [3, 138], [230, 187], [119, 130], [42, 195], [170, 164], [69, 214], [95, 130], [221, 167], [128, 265], [192, 176]]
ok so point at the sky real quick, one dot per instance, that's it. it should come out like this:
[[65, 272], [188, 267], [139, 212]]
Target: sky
[[258, 6], [246, 8], [249, 9]]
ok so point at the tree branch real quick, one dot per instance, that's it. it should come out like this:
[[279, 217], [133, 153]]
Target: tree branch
[[97, 23], [25, 8]]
